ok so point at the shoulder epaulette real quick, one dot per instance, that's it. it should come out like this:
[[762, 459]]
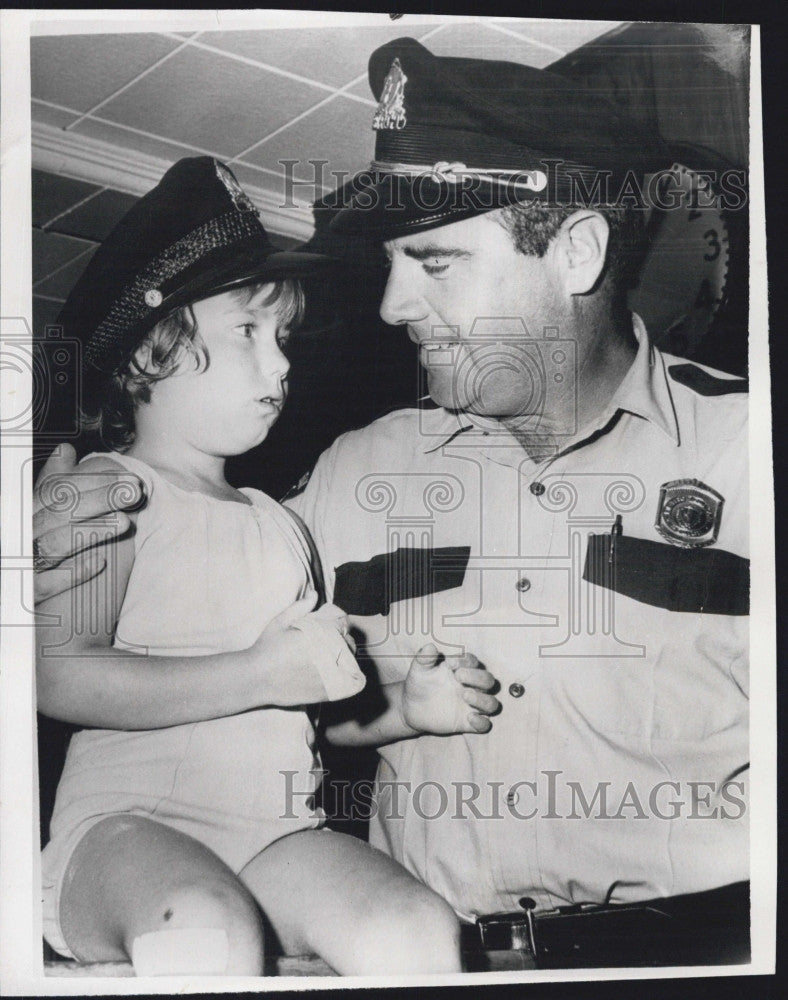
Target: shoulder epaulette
[[706, 384]]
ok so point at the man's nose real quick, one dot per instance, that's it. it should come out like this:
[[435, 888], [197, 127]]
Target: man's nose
[[401, 301]]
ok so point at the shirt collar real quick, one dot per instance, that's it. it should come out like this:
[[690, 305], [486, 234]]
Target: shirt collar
[[645, 392]]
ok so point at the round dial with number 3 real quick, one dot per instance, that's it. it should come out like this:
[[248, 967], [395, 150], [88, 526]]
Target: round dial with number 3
[[682, 281]]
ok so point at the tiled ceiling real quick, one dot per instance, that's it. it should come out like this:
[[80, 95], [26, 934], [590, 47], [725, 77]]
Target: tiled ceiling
[[251, 98]]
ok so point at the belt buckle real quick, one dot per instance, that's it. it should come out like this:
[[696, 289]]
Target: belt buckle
[[509, 931]]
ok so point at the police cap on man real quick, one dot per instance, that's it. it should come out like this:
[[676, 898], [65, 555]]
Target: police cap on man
[[455, 137]]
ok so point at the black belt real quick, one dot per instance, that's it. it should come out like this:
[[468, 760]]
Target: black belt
[[700, 928]]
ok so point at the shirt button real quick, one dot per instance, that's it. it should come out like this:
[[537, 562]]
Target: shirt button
[[516, 690], [523, 584], [537, 489], [511, 798]]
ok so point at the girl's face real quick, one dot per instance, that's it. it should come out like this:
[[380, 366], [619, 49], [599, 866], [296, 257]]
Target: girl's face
[[230, 406]]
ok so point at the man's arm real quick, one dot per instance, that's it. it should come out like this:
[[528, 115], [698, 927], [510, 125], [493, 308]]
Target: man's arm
[[59, 564]]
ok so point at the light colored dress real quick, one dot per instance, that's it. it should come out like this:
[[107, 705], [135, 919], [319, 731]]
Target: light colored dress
[[208, 576]]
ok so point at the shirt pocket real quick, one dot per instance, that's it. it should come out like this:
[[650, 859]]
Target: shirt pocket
[[688, 608]]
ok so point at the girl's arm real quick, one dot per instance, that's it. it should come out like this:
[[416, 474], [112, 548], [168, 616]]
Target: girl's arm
[[81, 679], [440, 695]]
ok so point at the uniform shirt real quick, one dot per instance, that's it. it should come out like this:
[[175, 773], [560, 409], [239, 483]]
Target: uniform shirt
[[617, 767]]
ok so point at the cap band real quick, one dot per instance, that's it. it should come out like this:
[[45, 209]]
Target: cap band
[[454, 173], [420, 143], [134, 304]]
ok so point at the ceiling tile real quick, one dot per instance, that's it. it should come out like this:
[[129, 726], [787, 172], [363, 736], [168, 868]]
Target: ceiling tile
[[51, 116], [52, 194], [211, 101], [339, 132], [333, 56], [477, 41], [78, 71], [133, 141], [60, 284], [565, 35], [96, 219], [51, 251], [363, 89]]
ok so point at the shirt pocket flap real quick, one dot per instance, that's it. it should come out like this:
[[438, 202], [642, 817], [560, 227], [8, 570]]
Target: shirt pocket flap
[[696, 581]]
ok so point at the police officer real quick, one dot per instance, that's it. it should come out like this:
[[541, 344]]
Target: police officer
[[570, 505]]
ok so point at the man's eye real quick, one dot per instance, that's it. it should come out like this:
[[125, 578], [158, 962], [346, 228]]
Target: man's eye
[[246, 330], [434, 269]]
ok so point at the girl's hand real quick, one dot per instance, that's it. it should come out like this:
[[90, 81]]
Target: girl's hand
[[307, 656], [447, 696]]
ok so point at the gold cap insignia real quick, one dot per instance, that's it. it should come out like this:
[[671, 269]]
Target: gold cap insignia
[[240, 198], [391, 109], [689, 513]]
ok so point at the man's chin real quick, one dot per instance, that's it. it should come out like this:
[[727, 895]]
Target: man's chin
[[446, 395], [448, 399]]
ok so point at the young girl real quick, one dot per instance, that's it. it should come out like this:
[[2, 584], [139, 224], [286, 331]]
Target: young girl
[[184, 807]]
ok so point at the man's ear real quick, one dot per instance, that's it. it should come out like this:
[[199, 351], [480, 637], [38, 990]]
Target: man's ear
[[580, 249]]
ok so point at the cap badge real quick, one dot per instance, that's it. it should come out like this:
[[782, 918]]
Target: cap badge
[[153, 298], [445, 171], [240, 198], [391, 109], [689, 513]]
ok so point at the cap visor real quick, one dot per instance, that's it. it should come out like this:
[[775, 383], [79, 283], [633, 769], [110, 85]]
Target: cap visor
[[396, 204], [247, 268]]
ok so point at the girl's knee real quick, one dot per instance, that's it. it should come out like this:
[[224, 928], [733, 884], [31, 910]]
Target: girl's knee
[[435, 933], [209, 929], [416, 933]]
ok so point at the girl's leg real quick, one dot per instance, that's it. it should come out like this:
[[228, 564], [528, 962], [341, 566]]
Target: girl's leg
[[333, 895], [132, 879]]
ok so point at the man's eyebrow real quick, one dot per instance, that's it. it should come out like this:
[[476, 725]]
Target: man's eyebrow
[[434, 250]]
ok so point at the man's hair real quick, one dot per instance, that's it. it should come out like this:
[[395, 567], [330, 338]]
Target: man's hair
[[113, 399], [533, 226]]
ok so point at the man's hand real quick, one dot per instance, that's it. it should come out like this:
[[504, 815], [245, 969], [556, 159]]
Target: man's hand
[[306, 656], [62, 497], [448, 695]]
